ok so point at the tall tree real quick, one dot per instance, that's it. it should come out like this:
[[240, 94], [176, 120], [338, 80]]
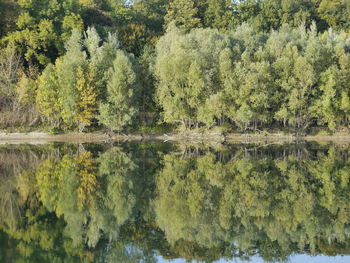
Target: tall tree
[[66, 68], [123, 90], [220, 14], [77, 81], [183, 14], [87, 103], [272, 14], [47, 96], [187, 70], [43, 26], [336, 13]]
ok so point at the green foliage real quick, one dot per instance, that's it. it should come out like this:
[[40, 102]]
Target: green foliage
[[47, 97], [198, 76], [220, 14], [122, 93], [293, 76], [70, 90], [67, 68], [336, 13], [148, 108], [87, 104], [272, 14], [182, 14], [43, 26], [187, 70], [8, 16], [152, 12]]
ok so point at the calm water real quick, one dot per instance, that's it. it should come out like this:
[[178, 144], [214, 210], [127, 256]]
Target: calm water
[[159, 202]]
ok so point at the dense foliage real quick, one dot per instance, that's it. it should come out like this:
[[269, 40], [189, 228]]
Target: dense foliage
[[78, 64], [291, 76]]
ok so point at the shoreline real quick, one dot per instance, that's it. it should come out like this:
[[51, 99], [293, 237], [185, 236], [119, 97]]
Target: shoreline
[[197, 137]]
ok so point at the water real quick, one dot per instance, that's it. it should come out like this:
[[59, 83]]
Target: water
[[162, 202]]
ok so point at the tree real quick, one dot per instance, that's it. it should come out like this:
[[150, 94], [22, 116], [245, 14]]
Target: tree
[[187, 70], [333, 104], [71, 89], [122, 93], [87, 104], [153, 13], [47, 96], [254, 96], [101, 55], [299, 69], [10, 67], [8, 17], [220, 14], [183, 14], [336, 13], [148, 108], [66, 68], [43, 26]]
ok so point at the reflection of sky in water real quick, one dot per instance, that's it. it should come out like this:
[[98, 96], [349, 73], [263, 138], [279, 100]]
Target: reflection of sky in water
[[292, 259]]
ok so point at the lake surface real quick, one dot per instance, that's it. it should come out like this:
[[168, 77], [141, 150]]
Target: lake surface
[[162, 202]]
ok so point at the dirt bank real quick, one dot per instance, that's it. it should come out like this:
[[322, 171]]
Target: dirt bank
[[197, 137]]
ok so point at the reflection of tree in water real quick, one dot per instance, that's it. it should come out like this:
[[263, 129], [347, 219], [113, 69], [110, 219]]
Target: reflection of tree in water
[[24, 218], [15, 178], [94, 196], [85, 198], [273, 206], [124, 204]]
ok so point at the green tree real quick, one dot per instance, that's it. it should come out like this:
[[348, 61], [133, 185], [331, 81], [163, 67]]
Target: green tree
[[299, 69], [253, 101], [8, 17], [66, 68], [47, 96], [187, 70], [153, 13], [122, 93], [272, 14], [336, 13], [246, 79], [43, 26], [71, 89], [183, 14], [220, 14], [332, 105]]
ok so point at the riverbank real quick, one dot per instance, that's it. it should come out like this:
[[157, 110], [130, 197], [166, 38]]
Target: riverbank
[[198, 137]]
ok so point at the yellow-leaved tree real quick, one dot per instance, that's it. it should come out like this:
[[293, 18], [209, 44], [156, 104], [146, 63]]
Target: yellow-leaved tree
[[87, 103]]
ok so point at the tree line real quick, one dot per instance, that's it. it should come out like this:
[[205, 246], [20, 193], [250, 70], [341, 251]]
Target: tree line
[[79, 65]]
